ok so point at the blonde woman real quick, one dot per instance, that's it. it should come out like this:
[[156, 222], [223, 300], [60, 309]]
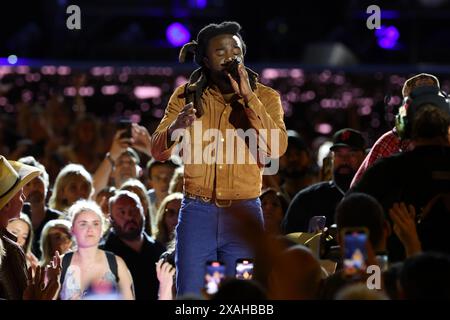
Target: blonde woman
[[176, 183], [22, 229], [72, 183], [88, 265], [167, 217], [55, 236]]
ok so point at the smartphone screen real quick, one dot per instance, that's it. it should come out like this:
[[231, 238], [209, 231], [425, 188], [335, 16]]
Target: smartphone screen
[[355, 252], [316, 224], [244, 269], [215, 273], [125, 124]]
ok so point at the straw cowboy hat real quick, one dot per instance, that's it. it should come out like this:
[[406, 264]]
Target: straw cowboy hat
[[13, 176]]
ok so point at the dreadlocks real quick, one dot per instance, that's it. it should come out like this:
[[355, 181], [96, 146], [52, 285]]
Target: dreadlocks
[[198, 80]]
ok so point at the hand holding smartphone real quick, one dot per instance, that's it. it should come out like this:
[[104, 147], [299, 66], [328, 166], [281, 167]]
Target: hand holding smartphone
[[244, 269], [215, 273], [355, 250], [125, 124]]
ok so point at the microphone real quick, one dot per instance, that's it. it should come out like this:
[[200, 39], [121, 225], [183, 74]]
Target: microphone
[[232, 67]]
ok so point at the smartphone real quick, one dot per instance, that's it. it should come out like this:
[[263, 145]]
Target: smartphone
[[214, 275], [244, 269], [355, 250], [125, 124], [316, 224]]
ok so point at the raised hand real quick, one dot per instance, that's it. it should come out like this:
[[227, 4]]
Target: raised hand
[[165, 273], [404, 219], [242, 87], [119, 145], [53, 271], [141, 139], [32, 261], [36, 288]]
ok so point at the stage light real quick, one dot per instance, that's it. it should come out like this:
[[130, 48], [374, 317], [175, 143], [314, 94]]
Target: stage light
[[387, 37], [199, 4], [323, 128], [177, 34], [146, 92], [12, 59]]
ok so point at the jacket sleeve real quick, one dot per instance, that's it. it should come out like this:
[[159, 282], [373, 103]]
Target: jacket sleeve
[[160, 150], [266, 112]]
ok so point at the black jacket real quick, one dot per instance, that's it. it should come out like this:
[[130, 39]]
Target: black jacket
[[413, 177], [319, 199], [141, 264]]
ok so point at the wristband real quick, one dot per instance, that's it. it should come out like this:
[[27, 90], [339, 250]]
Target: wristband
[[111, 161]]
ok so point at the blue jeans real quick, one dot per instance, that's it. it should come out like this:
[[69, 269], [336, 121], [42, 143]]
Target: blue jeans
[[205, 233]]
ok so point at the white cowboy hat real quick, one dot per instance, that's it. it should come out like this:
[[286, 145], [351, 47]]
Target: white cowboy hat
[[13, 176]]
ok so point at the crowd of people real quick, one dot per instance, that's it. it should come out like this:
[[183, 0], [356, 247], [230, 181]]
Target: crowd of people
[[131, 217]]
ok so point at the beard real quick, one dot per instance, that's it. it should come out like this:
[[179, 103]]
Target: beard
[[35, 197], [343, 176], [129, 231]]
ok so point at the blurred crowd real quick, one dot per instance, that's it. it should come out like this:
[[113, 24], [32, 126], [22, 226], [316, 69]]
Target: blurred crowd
[[100, 189]]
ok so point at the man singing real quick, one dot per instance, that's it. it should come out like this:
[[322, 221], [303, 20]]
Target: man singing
[[222, 97]]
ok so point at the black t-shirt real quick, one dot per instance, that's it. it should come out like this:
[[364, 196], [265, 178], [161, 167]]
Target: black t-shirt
[[141, 264], [50, 214], [413, 177], [320, 199]]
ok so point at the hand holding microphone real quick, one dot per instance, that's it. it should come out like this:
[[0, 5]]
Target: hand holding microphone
[[238, 76]]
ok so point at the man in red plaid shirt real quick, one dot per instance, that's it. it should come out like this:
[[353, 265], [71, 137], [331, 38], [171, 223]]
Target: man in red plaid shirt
[[390, 143]]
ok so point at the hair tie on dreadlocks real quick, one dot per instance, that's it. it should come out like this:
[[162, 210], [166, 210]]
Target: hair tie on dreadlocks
[[190, 48]]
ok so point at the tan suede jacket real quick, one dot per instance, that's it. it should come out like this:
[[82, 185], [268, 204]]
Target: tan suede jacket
[[212, 165]]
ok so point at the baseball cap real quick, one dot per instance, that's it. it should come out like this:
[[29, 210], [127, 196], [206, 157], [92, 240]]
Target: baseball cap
[[348, 138]]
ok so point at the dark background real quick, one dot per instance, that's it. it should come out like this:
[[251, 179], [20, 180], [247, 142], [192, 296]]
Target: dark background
[[328, 67], [276, 32]]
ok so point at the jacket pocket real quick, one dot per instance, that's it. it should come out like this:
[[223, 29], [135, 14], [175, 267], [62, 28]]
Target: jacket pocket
[[248, 176], [194, 170]]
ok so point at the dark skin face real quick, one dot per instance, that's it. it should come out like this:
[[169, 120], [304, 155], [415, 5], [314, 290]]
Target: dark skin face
[[222, 49]]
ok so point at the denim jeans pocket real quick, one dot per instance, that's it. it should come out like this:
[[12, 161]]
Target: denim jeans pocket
[[186, 203]]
